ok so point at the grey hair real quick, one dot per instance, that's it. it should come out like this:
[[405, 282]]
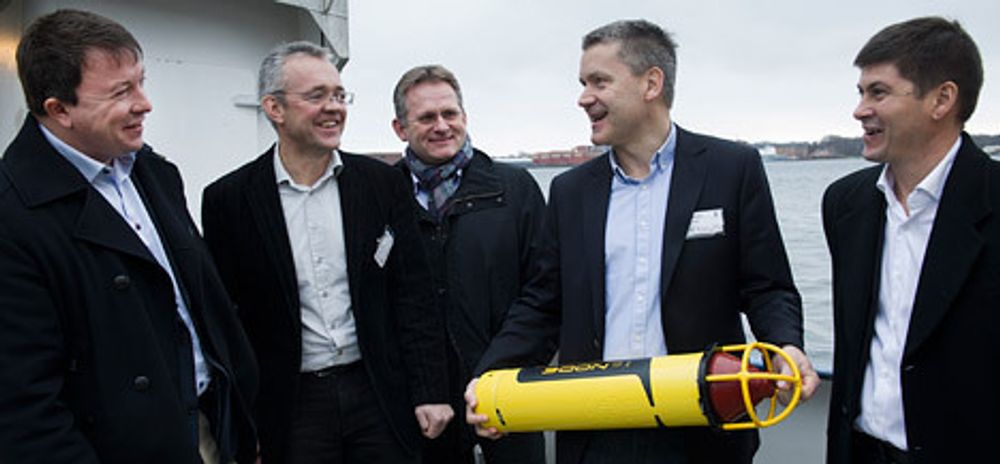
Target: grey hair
[[419, 75], [643, 46], [271, 79]]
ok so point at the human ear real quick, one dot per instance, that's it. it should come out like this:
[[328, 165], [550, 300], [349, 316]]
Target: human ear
[[272, 108], [944, 100], [653, 79], [57, 111]]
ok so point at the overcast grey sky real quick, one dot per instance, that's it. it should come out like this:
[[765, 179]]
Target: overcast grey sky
[[751, 70]]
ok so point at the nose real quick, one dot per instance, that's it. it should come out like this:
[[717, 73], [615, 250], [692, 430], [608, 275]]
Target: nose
[[863, 110], [141, 104], [440, 124], [586, 98]]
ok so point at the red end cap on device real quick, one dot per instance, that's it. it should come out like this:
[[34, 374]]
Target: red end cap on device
[[726, 397]]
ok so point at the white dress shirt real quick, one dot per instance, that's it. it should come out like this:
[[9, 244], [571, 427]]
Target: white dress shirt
[[906, 238], [316, 234], [114, 183]]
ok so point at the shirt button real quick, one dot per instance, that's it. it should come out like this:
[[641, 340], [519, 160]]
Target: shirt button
[[323, 294], [141, 383], [121, 282]]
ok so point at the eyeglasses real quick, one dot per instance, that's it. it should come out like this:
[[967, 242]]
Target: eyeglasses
[[319, 97]]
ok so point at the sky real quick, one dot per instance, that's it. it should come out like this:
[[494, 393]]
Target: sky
[[762, 70]]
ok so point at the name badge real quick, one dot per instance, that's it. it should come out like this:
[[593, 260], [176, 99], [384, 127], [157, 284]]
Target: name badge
[[706, 223], [384, 247]]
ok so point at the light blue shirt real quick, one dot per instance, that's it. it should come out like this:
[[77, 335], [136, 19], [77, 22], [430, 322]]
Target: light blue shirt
[[633, 248], [115, 185]]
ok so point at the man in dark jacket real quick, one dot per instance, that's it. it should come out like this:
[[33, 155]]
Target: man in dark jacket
[[477, 219], [655, 247], [915, 248], [319, 249], [118, 343]]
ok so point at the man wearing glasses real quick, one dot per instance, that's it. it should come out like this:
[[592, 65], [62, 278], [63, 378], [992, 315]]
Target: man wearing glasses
[[320, 251]]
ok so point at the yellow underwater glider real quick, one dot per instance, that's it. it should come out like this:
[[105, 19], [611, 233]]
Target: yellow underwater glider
[[719, 388]]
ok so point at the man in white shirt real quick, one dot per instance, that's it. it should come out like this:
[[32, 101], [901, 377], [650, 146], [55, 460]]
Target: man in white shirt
[[915, 257], [320, 250]]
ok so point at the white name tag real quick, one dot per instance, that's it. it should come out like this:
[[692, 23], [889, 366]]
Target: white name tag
[[706, 223], [384, 247]]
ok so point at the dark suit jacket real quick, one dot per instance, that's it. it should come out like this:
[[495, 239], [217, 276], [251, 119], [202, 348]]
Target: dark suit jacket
[[481, 255], [398, 327], [481, 252], [948, 380], [91, 368], [706, 282]]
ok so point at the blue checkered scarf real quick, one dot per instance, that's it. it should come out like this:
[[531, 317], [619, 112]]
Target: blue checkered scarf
[[440, 181]]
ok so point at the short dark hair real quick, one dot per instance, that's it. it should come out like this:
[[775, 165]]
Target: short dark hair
[[929, 51], [643, 46], [428, 73], [53, 51]]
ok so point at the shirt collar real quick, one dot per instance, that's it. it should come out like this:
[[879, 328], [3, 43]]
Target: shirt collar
[[661, 159], [333, 169], [933, 183], [121, 167]]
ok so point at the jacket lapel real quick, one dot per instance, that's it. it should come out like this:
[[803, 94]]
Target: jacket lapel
[[170, 217], [41, 175], [954, 244], [861, 254], [685, 188], [594, 205], [351, 186], [167, 209], [269, 219], [101, 225]]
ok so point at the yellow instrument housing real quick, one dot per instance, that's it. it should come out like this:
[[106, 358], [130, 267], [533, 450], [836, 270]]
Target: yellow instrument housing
[[665, 391]]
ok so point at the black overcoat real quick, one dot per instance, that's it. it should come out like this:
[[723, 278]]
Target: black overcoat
[[90, 369], [947, 380]]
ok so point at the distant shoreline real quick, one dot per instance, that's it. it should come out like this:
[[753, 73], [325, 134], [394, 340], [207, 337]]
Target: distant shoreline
[[830, 148]]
